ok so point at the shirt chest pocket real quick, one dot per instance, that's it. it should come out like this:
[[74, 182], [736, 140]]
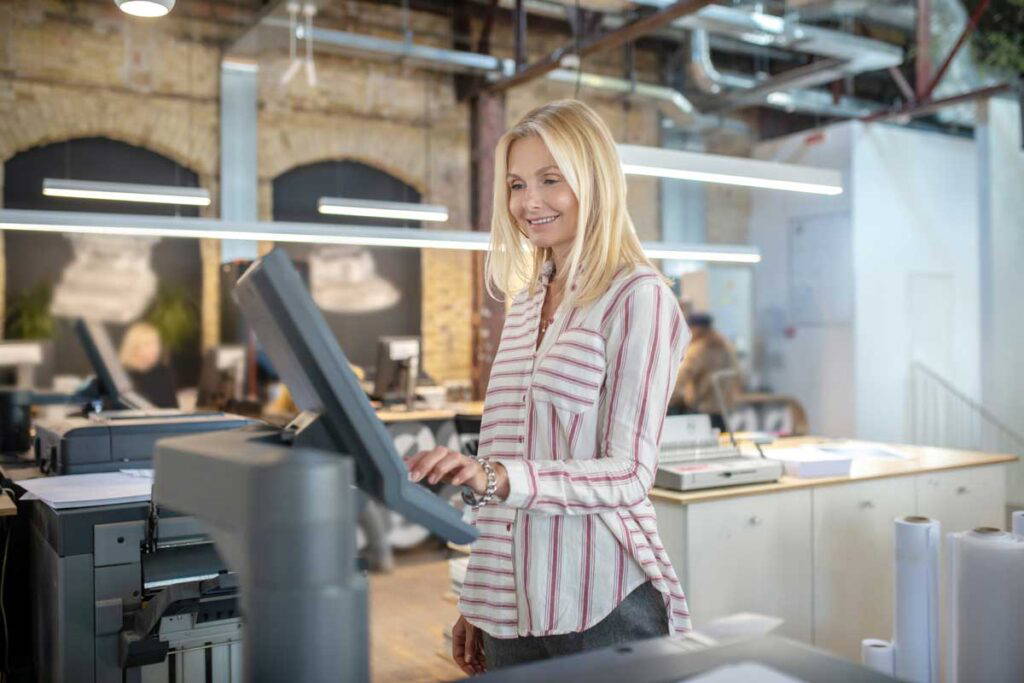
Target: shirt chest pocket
[[570, 374]]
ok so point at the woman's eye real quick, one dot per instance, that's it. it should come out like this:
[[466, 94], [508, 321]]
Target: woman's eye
[[550, 181], [516, 186]]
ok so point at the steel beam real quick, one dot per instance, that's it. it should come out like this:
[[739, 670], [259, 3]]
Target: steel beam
[[964, 35], [608, 41], [924, 108]]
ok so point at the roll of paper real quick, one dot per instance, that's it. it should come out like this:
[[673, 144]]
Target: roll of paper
[[987, 606], [877, 654], [915, 638], [1018, 522]]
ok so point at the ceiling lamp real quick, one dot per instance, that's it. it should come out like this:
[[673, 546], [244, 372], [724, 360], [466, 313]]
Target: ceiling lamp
[[318, 233], [126, 192], [145, 8], [715, 168], [410, 211]]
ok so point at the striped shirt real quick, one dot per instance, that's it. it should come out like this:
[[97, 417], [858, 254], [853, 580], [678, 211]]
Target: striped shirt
[[576, 423]]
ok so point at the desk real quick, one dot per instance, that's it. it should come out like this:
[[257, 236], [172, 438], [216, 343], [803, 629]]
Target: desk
[[818, 552], [392, 414]]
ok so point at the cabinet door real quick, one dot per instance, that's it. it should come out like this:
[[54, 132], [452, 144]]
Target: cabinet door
[[853, 560], [752, 554], [965, 498]]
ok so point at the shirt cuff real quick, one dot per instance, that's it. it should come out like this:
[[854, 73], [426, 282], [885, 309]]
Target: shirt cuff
[[522, 483]]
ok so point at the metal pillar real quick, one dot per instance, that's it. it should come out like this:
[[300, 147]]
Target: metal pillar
[[238, 171], [487, 124]]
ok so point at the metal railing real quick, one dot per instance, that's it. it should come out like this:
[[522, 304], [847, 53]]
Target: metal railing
[[938, 414]]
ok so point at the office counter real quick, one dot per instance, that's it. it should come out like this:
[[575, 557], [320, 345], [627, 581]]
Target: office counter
[[819, 552]]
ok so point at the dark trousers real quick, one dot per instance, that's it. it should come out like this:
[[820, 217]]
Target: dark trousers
[[641, 615]]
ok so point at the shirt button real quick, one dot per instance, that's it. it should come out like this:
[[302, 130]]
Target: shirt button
[[520, 439]]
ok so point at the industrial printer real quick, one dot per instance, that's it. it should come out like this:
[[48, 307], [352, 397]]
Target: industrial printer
[[105, 577], [281, 504], [139, 591]]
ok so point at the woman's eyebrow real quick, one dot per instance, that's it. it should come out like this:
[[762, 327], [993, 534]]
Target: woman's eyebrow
[[540, 171]]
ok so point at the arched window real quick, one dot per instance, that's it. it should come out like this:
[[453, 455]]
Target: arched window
[[364, 292], [40, 258]]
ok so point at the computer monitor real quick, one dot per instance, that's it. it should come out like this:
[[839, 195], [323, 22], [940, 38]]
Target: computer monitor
[[112, 381], [309, 360], [398, 362]]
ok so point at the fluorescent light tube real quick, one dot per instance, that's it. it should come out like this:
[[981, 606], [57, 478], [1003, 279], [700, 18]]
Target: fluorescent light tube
[[317, 233], [339, 206], [126, 192], [715, 168]]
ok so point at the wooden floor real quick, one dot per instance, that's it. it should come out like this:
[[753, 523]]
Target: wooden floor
[[409, 612]]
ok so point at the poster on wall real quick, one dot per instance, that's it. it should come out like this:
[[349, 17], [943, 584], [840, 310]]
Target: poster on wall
[[109, 279]]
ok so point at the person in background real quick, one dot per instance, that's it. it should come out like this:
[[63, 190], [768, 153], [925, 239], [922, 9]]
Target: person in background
[[142, 355], [708, 353]]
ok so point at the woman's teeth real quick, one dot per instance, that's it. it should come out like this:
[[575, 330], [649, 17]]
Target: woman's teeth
[[541, 221]]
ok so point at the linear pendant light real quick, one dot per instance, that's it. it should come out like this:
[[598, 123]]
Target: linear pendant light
[[716, 168], [340, 206], [317, 233], [126, 192]]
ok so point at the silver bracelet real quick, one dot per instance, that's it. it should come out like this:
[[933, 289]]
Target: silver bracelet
[[492, 485]]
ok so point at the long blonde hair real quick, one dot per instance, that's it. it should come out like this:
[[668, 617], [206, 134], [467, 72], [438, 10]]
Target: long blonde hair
[[606, 239]]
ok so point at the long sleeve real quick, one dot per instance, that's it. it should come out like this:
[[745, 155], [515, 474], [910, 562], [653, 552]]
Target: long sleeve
[[644, 340]]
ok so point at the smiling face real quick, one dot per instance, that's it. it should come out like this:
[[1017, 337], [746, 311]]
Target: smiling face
[[539, 197]]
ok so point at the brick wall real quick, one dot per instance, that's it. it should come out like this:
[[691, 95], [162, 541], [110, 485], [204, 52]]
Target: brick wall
[[76, 69]]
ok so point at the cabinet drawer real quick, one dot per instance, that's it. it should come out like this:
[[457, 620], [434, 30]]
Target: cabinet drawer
[[752, 554]]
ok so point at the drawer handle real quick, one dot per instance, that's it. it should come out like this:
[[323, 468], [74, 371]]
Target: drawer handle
[[961, 490], [866, 505], [755, 521]]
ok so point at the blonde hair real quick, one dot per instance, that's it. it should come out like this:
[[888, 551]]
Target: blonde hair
[[606, 239], [139, 336]]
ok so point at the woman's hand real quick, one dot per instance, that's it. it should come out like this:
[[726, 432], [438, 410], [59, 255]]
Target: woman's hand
[[444, 464], [468, 647]]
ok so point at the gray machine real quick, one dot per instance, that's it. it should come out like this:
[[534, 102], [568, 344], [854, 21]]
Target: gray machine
[[668, 660], [280, 505], [124, 592]]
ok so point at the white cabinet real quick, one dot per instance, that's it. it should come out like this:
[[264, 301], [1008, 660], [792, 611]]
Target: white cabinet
[[965, 498], [752, 554], [819, 557], [853, 551]]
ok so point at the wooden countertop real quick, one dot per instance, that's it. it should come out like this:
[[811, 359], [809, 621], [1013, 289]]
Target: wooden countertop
[[401, 414], [922, 459]]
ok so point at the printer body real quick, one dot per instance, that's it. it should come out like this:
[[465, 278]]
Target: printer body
[[119, 439]]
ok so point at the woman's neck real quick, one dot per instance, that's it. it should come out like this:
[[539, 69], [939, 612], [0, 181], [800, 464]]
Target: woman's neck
[[560, 260]]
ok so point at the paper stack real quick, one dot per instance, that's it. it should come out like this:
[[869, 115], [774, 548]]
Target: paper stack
[[809, 462], [84, 490]]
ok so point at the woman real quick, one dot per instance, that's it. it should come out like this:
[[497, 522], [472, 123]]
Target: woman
[[142, 355], [568, 557]]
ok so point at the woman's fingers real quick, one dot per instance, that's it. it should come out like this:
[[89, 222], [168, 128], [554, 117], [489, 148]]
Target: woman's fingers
[[448, 463], [424, 462], [459, 646]]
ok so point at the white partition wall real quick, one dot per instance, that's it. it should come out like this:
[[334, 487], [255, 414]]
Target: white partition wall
[[851, 289]]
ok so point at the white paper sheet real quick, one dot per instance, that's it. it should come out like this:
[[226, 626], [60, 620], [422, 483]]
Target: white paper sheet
[[83, 490], [744, 672]]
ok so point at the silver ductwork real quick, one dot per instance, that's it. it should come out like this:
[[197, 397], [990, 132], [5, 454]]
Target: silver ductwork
[[849, 55]]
